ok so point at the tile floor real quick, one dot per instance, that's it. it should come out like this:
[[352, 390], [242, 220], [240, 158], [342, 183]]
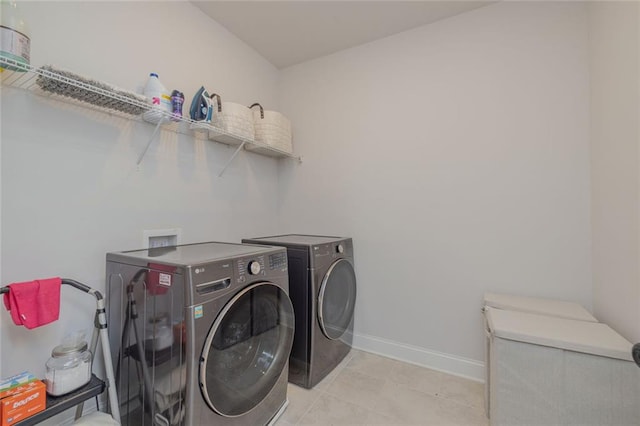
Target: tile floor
[[367, 389]]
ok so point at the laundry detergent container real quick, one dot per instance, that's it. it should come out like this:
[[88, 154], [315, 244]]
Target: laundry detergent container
[[556, 371], [232, 118], [272, 129]]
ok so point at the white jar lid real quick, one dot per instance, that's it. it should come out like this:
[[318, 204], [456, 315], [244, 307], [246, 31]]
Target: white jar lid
[[66, 350]]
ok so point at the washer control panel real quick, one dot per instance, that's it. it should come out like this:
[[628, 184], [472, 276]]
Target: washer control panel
[[250, 266], [211, 272], [254, 267], [278, 261], [211, 278]]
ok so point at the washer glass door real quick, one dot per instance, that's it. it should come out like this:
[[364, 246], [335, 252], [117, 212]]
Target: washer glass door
[[337, 299], [246, 349]]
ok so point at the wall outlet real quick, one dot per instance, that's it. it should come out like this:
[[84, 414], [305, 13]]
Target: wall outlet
[[155, 238]]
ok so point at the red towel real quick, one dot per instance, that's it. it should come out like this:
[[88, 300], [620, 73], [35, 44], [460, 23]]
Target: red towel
[[34, 303], [159, 278]]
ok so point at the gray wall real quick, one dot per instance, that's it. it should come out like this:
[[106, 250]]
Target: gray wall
[[457, 157], [615, 157], [71, 190]]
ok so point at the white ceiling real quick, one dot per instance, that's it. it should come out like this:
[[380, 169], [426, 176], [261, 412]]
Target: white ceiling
[[290, 32]]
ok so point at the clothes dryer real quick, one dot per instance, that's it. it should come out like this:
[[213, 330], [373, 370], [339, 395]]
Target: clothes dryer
[[322, 286], [205, 332]]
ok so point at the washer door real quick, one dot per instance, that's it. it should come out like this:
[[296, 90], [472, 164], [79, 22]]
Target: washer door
[[246, 349], [337, 299]]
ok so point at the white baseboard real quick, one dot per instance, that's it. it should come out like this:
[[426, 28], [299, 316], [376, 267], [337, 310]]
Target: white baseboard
[[458, 366]]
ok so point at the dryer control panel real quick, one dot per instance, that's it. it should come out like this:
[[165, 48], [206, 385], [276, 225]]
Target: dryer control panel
[[321, 250], [325, 254], [336, 249]]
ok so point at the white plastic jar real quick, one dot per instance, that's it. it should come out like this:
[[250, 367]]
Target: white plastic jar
[[14, 35], [68, 369]]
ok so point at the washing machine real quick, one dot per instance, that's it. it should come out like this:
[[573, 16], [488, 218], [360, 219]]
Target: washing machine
[[322, 287], [200, 333]]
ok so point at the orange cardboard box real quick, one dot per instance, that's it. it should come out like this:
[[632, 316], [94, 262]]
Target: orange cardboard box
[[8, 385], [25, 401]]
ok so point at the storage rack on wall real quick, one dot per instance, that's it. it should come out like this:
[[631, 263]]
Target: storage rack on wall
[[70, 88]]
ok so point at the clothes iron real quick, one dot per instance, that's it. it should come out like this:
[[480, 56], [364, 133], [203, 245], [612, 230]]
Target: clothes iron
[[201, 108]]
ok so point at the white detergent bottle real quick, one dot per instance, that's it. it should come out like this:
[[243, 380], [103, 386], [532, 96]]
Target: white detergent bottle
[[160, 98]]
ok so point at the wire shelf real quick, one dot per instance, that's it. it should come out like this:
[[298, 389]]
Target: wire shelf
[[68, 87]]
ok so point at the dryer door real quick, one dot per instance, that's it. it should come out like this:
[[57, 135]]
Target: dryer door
[[246, 349], [337, 299]]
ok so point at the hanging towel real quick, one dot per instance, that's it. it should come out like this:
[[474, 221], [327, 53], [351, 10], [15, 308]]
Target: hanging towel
[[159, 278], [34, 303]]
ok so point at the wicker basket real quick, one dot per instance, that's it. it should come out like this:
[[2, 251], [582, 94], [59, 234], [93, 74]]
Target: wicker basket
[[272, 129], [233, 118]]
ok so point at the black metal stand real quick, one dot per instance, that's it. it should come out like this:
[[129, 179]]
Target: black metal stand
[[58, 404], [99, 333]]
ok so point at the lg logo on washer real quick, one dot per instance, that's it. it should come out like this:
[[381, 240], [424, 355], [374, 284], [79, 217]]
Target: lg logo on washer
[[202, 270]]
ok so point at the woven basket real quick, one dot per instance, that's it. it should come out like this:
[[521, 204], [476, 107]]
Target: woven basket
[[233, 118], [272, 129]]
